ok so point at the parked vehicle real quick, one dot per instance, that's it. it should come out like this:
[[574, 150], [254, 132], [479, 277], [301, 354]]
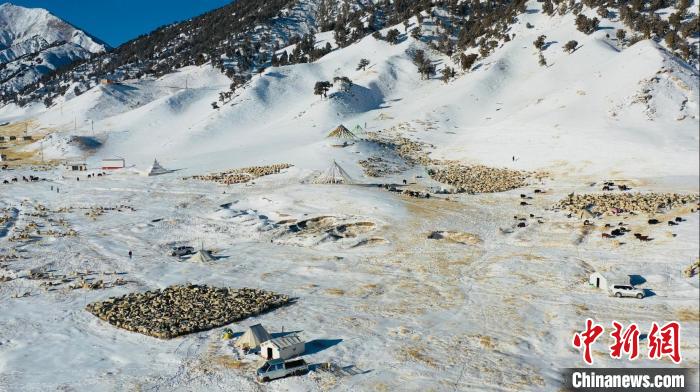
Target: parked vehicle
[[625, 290], [179, 251], [278, 368]]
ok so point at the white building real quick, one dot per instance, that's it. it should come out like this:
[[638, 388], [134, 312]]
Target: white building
[[284, 347], [605, 280], [113, 163], [76, 166]]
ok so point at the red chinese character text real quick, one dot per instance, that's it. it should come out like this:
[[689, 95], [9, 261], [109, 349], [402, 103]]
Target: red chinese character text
[[665, 341], [586, 338], [625, 342]]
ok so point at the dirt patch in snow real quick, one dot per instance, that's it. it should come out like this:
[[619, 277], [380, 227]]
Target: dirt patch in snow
[[456, 237]]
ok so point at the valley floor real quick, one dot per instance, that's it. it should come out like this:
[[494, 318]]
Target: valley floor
[[491, 307]]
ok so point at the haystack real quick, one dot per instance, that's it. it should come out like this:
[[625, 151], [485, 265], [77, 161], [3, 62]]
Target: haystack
[[157, 169], [202, 256], [340, 132], [333, 175], [358, 130]]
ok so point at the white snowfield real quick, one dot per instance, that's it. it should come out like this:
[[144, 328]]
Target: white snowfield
[[494, 311]]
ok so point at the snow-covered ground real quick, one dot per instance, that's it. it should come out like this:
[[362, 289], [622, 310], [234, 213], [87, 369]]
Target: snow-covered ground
[[408, 312]]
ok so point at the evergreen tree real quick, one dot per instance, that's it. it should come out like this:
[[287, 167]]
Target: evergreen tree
[[392, 36], [570, 46], [322, 87], [467, 61], [539, 43], [362, 64]]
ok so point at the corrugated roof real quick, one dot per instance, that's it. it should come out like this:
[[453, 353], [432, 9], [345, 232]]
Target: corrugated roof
[[285, 341]]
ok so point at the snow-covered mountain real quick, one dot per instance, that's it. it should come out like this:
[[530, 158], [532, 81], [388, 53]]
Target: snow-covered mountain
[[570, 94], [588, 97], [34, 43]]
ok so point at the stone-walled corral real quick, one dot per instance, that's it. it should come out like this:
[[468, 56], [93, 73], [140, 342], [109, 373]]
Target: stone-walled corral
[[478, 178], [604, 203], [179, 310], [242, 175]]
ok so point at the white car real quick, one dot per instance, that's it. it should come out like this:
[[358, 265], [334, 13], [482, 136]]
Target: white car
[[278, 368], [625, 290]]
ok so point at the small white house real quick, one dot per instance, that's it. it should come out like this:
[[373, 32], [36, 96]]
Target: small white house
[[76, 166], [113, 163], [284, 347], [604, 281]]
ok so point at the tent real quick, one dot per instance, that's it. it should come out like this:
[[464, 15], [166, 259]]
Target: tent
[[202, 256], [157, 169], [358, 130], [253, 337], [340, 132], [333, 175]]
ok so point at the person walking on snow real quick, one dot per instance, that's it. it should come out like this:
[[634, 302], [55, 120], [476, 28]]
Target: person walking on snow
[[130, 254]]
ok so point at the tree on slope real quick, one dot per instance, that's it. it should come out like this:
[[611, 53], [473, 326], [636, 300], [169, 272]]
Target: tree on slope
[[539, 42], [570, 46], [621, 34], [322, 87], [392, 36], [586, 25], [362, 64], [447, 74], [467, 61]]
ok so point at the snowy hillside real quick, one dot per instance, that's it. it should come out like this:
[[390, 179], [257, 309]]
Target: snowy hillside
[[402, 278], [594, 110], [34, 43]]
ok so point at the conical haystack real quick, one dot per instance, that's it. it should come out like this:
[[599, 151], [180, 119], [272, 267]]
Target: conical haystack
[[340, 132], [333, 175], [156, 169], [358, 130], [202, 256]]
